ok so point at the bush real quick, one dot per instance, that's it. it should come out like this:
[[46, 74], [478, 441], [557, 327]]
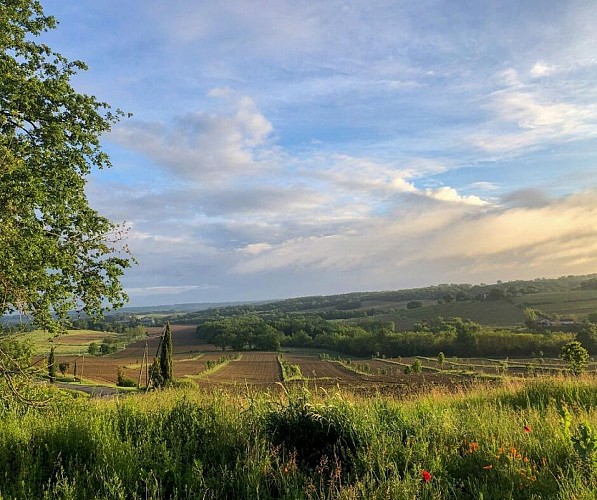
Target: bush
[[122, 380], [316, 433]]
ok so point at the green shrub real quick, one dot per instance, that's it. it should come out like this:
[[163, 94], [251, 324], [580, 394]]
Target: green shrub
[[316, 432]]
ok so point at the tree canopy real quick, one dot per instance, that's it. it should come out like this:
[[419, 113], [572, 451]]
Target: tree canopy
[[56, 252]]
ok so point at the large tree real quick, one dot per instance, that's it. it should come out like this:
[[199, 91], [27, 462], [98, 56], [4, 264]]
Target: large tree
[[56, 252]]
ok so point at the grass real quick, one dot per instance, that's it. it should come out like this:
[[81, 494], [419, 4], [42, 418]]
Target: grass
[[214, 366], [519, 440], [289, 371]]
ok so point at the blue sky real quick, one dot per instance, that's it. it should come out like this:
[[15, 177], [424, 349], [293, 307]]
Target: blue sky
[[288, 148]]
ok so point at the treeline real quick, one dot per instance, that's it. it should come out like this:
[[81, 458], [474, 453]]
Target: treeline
[[108, 345], [453, 336], [117, 323]]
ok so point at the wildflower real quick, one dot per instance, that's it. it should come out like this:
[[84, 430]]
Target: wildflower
[[527, 429], [425, 475], [474, 446], [525, 460], [488, 467]]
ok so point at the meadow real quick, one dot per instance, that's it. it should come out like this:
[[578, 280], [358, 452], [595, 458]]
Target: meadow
[[522, 439]]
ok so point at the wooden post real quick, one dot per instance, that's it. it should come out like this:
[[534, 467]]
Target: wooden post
[[146, 354], [141, 367]]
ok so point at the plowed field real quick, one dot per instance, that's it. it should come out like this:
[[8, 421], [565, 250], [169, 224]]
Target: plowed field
[[314, 368], [254, 368]]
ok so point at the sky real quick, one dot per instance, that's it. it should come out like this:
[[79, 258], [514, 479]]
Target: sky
[[290, 148]]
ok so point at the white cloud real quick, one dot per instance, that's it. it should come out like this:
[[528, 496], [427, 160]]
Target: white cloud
[[542, 69], [446, 193], [526, 116], [203, 146]]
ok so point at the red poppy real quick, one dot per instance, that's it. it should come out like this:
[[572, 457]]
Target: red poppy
[[527, 429], [426, 476]]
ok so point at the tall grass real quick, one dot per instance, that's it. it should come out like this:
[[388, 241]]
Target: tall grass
[[522, 440]]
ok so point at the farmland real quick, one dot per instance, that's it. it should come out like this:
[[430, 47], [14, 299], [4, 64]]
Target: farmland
[[261, 370], [344, 411]]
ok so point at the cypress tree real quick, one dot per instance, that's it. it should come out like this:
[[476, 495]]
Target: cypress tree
[[166, 355]]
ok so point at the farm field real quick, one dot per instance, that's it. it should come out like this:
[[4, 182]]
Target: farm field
[[253, 368], [261, 369], [499, 313], [75, 342]]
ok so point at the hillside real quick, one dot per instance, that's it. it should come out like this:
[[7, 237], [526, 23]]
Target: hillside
[[500, 304]]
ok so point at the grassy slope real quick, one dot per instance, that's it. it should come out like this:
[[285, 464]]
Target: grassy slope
[[75, 342], [577, 303], [498, 313]]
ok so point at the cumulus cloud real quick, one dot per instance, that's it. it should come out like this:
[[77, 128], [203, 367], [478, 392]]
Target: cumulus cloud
[[200, 145], [446, 193]]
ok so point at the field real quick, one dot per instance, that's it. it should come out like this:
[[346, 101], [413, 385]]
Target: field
[[261, 370], [498, 313], [75, 342], [575, 303]]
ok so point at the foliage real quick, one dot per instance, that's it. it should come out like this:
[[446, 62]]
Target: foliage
[[155, 373], [241, 333], [122, 380], [63, 367], [316, 433], [590, 284], [576, 356], [212, 364], [56, 252], [289, 371], [417, 367], [166, 355]]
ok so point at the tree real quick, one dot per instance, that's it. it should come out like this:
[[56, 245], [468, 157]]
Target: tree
[[576, 356], [63, 367], [56, 252], [166, 355], [587, 336], [417, 367], [155, 373], [52, 366]]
